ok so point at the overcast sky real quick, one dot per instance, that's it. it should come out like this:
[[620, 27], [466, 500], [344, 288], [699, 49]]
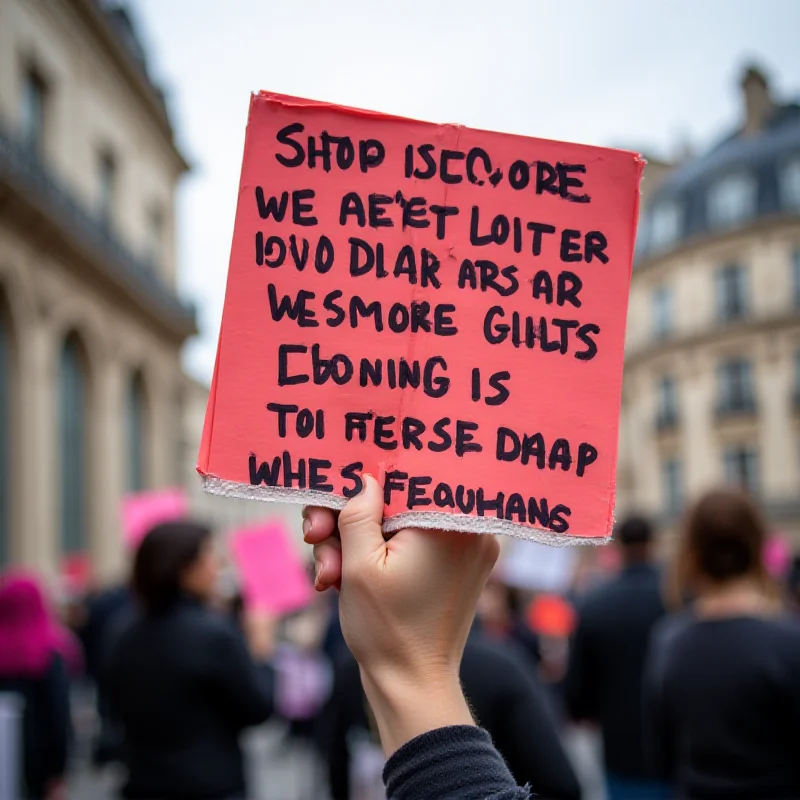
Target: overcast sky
[[650, 76]]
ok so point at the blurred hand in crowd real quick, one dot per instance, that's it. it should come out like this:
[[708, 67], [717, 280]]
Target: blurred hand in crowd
[[260, 628]]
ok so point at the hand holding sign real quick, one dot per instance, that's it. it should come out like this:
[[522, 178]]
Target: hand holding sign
[[441, 306], [406, 608]]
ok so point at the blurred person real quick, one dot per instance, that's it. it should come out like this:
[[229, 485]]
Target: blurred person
[[406, 607], [303, 672], [607, 661], [506, 699], [104, 611], [501, 618], [722, 692], [179, 676], [34, 651]]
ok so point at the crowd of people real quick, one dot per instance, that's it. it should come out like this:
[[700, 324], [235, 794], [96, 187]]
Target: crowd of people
[[689, 668]]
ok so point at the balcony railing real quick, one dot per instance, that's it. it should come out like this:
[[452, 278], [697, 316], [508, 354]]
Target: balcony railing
[[21, 168], [735, 406], [666, 420]]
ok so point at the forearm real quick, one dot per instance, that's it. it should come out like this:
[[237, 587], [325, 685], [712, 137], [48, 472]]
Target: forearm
[[405, 708]]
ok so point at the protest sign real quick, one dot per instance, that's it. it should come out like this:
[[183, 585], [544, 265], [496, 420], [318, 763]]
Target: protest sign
[[142, 511], [272, 574], [533, 567], [439, 306]]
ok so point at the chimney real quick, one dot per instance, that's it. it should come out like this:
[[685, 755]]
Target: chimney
[[758, 104]]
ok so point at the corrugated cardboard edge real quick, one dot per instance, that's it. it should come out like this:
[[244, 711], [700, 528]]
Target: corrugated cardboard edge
[[434, 520]]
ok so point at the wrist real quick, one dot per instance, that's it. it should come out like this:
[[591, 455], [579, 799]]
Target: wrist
[[407, 705]]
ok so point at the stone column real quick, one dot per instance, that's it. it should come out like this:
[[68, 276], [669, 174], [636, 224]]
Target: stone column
[[162, 431], [107, 469], [38, 543]]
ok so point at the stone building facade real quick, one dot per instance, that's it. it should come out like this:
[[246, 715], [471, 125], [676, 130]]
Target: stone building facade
[[91, 326], [711, 390]]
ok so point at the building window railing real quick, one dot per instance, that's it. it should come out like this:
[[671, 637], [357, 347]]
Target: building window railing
[[21, 166], [729, 406], [666, 420]]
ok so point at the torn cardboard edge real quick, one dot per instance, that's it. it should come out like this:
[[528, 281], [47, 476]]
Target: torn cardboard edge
[[436, 520]]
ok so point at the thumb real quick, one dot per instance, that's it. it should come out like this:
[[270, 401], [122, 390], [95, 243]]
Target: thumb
[[360, 522]]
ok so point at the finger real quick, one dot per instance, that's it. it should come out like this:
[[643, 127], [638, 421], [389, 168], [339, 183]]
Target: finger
[[328, 564], [360, 522], [318, 523], [491, 550]]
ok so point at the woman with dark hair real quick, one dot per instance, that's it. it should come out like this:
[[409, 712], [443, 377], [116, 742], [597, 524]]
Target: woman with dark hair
[[180, 679], [33, 654], [722, 692]]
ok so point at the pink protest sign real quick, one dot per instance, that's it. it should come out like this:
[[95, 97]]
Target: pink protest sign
[[272, 574], [142, 511]]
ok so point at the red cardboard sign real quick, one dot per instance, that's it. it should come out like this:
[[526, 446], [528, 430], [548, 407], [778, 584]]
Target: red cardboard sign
[[439, 306]]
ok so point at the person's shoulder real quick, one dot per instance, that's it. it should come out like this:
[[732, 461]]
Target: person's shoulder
[[596, 603], [674, 625], [501, 664], [211, 626], [671, 630], [124, 635], [785, 632]]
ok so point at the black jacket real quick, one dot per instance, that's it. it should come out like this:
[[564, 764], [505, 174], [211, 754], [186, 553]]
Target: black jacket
[[454, 763], [45, 725], [183, 686], [505, 698], [607, 662], [722, 707]]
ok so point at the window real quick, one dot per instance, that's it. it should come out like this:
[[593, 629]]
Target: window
[[662, 312], [107, 170], [155, 236], [135, 430], [790, 184], [796, 276], [73, 433], [5, 436], [667, 409], [731, 200], [741, 467], [731, 286], [34, 95], [672, 480], [735, 386], [665, 224]]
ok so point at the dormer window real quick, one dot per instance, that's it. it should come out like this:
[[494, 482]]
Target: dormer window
[[789, 178], [665, 225], [731, 200]]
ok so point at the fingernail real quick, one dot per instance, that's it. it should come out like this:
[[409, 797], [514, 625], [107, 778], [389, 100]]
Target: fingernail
[[365, 475], [307, 525], [317, 573]]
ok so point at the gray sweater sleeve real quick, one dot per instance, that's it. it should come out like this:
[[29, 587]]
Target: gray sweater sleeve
[[454, 763]]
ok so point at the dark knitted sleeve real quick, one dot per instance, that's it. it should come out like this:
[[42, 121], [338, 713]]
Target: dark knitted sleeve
[[455, 763]]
